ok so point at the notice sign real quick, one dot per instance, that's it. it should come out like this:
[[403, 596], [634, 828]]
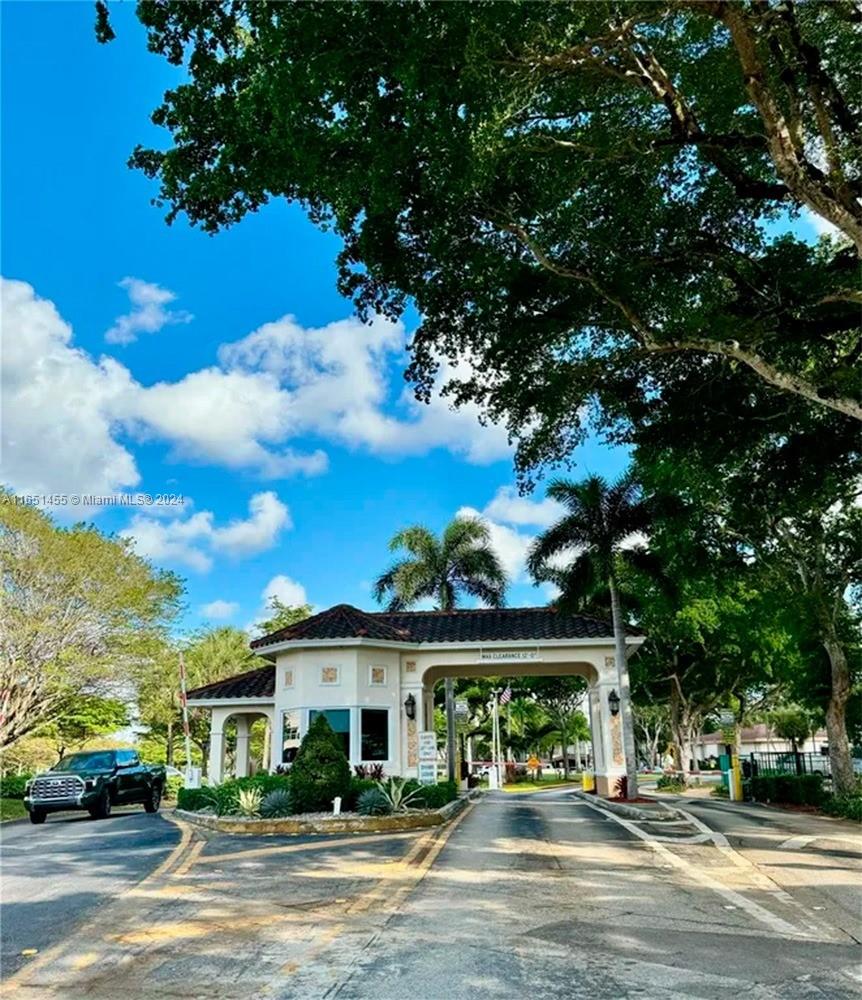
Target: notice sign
[[427, 773], [428, 746], [507, 655], [462, 709]]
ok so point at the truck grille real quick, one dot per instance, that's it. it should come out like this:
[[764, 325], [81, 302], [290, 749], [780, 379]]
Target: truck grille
[[66, 787]]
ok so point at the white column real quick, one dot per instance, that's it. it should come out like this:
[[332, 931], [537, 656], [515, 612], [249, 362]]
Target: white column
[[242, 737], [215, 760], [610, 728]]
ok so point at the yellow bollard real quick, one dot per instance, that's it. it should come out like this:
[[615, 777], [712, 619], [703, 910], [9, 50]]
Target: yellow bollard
[[735, 779], [588, 782]]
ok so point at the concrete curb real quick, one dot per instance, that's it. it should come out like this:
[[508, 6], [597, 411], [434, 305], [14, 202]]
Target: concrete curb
[[348, 823], [631, 812]]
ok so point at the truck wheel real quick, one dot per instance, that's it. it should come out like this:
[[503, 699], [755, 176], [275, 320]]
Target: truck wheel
[[37, 816], [103, 809], [154, 801]]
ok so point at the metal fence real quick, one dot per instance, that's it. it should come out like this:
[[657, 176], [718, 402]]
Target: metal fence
[[785, 762]]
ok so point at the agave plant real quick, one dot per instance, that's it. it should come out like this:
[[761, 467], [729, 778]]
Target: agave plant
[[373, 802], [396, 794], [249, 801], [277, 804]]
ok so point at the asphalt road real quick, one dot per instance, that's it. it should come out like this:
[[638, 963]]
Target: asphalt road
[[538, 896], [55, 875]]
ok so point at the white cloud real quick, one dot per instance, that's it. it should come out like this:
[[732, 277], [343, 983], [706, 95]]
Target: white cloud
[[58, 405], [219, 609], [259, 532], [191, 541], [511, 508], [68, 417], [286, 590], [148, 313]]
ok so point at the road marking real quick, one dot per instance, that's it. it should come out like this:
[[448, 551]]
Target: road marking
[[189, 859], [755, 910], [794, 843], [185, 838]]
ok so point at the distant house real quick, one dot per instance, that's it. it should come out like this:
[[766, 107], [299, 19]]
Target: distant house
[[758, 739]]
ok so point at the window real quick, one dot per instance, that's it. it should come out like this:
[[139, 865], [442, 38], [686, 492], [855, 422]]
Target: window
[[339, 719], [128, 758], [375, 734], [329, 675], [377, 676], [289, 736]]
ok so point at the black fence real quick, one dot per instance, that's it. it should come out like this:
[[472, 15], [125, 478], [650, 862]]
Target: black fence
[[785, 762]]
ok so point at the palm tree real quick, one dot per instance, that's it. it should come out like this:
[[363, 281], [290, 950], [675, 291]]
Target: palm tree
[[460, 562], [596, 536]]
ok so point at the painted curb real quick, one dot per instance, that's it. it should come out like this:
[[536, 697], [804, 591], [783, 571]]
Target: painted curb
[[418, 820], [631, 812]]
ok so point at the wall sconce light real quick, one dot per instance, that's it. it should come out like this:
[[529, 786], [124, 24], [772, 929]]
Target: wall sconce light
[[410, 706], [614, 703]]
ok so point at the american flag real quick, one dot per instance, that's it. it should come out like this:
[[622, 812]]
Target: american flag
[[506, 696]]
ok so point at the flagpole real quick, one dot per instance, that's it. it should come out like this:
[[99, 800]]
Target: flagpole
[[184, 702]]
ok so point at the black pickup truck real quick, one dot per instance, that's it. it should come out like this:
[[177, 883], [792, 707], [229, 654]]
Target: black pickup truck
[[95, 781]]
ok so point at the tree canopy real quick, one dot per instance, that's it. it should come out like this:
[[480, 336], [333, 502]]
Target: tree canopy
[[585, 200]]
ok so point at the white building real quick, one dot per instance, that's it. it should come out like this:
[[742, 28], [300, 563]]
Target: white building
[[759, 738], [373, 675]]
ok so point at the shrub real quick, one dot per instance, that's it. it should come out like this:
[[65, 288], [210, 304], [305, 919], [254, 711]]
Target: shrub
[[792, 789], [320, 771], [266, 782], [12, 785], [173, 784], [720, 792], [846, 806], [248, 802], [277, 804], [670, 782], [194, 799], [373, 771], [399, 792], [436, 796], [357, 787], [373, 802]]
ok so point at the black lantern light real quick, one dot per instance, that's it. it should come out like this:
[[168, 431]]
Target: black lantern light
[[410, 706], [614, 702]]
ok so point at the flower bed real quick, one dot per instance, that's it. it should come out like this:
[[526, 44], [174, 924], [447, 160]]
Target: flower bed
[[326, 823]]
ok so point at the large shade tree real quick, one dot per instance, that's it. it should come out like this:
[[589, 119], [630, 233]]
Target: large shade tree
[[583, 553], [460, 563], [585, 199]]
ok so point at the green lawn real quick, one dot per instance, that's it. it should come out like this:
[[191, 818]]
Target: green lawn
[[11, 809], [548, 781]]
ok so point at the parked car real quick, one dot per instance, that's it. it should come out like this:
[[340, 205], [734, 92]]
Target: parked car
[[95, 780]]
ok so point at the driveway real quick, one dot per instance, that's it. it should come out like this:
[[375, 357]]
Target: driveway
[[537, 896], [55, 875]]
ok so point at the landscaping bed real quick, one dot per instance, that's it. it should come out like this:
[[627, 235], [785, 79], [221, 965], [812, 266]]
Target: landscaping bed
[[327, 823]]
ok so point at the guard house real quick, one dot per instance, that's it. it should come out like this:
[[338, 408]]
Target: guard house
[[373, 674]]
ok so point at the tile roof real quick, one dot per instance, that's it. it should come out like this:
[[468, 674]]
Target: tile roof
[[259, 683], [474, 625]]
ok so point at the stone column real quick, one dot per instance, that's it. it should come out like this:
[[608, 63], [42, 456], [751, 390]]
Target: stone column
[[242, 737], [612, 765]]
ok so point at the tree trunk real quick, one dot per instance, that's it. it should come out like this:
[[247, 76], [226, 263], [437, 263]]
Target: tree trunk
[[564, 736], [625, 692], [843, 779], [680, 761]]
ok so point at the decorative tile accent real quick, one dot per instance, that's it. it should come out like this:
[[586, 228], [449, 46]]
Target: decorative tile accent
[[412, 742], [288, 678], [610, 662], [617, 740], [329, 675], [377, 676], [410, 666]]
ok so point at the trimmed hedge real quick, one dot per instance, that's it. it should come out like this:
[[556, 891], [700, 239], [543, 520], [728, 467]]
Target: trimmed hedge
[[792, 789], [224, 798], [432, 796], [12, 785]]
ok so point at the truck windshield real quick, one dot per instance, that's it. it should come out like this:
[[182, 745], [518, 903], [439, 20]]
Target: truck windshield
[[85, 762]]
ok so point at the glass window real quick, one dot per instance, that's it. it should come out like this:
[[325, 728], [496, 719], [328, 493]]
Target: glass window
[[339, 719], [289, 736], [375, 734]]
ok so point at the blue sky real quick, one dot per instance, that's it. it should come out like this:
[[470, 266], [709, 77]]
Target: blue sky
[[139, 357]]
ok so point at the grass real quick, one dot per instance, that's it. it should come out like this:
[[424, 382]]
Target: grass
[[540, 786], [11, 809]]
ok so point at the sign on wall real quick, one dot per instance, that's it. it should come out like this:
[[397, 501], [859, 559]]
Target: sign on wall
[[507, 655], [427, 772], [462, 709], [428, 745]]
